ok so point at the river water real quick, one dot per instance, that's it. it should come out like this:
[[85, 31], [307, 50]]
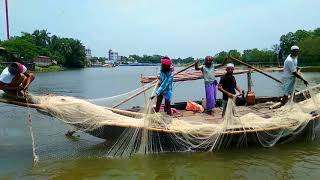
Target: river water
[[82, 157]]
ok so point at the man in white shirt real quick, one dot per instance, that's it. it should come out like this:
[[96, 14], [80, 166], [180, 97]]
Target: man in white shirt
[[291, 71], [14, 79]]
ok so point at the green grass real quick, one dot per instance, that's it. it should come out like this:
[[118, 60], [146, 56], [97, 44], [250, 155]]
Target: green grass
[[49, 68], [310, 69], [2, 68]]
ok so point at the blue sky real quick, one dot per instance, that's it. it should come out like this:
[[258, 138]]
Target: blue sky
[[178, 28]]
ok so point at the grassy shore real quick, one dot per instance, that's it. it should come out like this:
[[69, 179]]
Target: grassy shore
[[49, 68], [310, 69], [42, 69]]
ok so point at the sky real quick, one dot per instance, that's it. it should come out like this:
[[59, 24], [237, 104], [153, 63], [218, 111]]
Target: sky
[[177, 28]]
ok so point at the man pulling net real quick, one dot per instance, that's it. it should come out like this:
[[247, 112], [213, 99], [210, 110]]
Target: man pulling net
[[15, 80]]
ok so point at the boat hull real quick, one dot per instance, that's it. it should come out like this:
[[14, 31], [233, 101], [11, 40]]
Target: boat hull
[[168, 141]]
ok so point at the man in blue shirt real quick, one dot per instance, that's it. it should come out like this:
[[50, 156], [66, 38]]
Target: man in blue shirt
[[165, 85], [290, 73]]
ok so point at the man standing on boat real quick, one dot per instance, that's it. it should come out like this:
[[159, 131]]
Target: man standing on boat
[[291, 71], [228, 86], [14, 79], [165, 85], [210, 82]]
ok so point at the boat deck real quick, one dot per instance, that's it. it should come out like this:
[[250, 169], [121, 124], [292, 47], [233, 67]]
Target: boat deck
[[261, 110]]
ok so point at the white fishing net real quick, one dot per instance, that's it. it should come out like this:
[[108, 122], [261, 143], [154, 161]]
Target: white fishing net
[[145, 131]]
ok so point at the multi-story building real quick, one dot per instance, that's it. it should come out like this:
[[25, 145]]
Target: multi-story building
[[113, 56]]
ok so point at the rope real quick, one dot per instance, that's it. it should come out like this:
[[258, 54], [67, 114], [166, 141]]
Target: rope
[[35, 157]]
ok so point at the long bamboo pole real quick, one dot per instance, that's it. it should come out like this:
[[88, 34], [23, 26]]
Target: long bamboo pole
[[126, 113], [7, 19], [18, 103], [153, 83], [38, 107], [256, 69]]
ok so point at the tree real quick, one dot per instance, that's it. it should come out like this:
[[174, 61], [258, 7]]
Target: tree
[[219, 57], [286, 41], [74, 53], [310, 51], [21, 47], [41, 38], [234, 53], [67, 52], [301, 35], [316, 32], [257, 56]]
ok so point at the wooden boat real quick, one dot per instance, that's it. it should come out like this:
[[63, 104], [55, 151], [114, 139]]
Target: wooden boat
[[229, 138]]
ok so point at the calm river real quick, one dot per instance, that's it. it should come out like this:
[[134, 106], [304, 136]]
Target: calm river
[[81, 157]]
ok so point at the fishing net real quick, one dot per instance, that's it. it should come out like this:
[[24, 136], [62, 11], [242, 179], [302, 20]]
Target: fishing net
[[145, 131]]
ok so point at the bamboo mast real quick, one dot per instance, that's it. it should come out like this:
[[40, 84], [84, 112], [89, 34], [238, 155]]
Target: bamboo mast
[[256, 69]]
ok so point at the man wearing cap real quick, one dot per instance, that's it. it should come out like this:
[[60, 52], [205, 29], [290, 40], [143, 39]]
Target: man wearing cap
[[290, 73], [165, 85], [14, 79], [210, 82], [228, 86]]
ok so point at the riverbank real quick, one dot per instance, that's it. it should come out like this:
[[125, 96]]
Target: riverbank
[[49, 68], [310, 69], [42, 69]]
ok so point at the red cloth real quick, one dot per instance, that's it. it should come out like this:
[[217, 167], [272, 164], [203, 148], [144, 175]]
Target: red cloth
[[166, 61]]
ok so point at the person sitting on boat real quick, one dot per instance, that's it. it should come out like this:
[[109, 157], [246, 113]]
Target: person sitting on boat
[[14, 79], [228, 86], [165, 85], [291, 71], [210, 82]]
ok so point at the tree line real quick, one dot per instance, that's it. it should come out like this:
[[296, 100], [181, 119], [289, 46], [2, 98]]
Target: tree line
[[68, 52], [308, 41]]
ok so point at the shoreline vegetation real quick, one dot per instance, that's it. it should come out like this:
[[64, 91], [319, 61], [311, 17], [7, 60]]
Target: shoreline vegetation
[[66, 52], [70, 53], [53, 68], [308, 41]]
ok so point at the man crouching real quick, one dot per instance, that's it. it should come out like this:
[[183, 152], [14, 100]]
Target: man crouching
[[14, 80]]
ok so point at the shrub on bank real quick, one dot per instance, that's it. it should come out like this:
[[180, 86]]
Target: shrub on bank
[[49, 68]]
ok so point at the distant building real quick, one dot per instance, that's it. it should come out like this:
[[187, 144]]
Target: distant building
[[43, 61], [88, 53], [113, 56]]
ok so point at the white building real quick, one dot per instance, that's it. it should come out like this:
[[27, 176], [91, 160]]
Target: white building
[[88, 53], [113, 56]]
